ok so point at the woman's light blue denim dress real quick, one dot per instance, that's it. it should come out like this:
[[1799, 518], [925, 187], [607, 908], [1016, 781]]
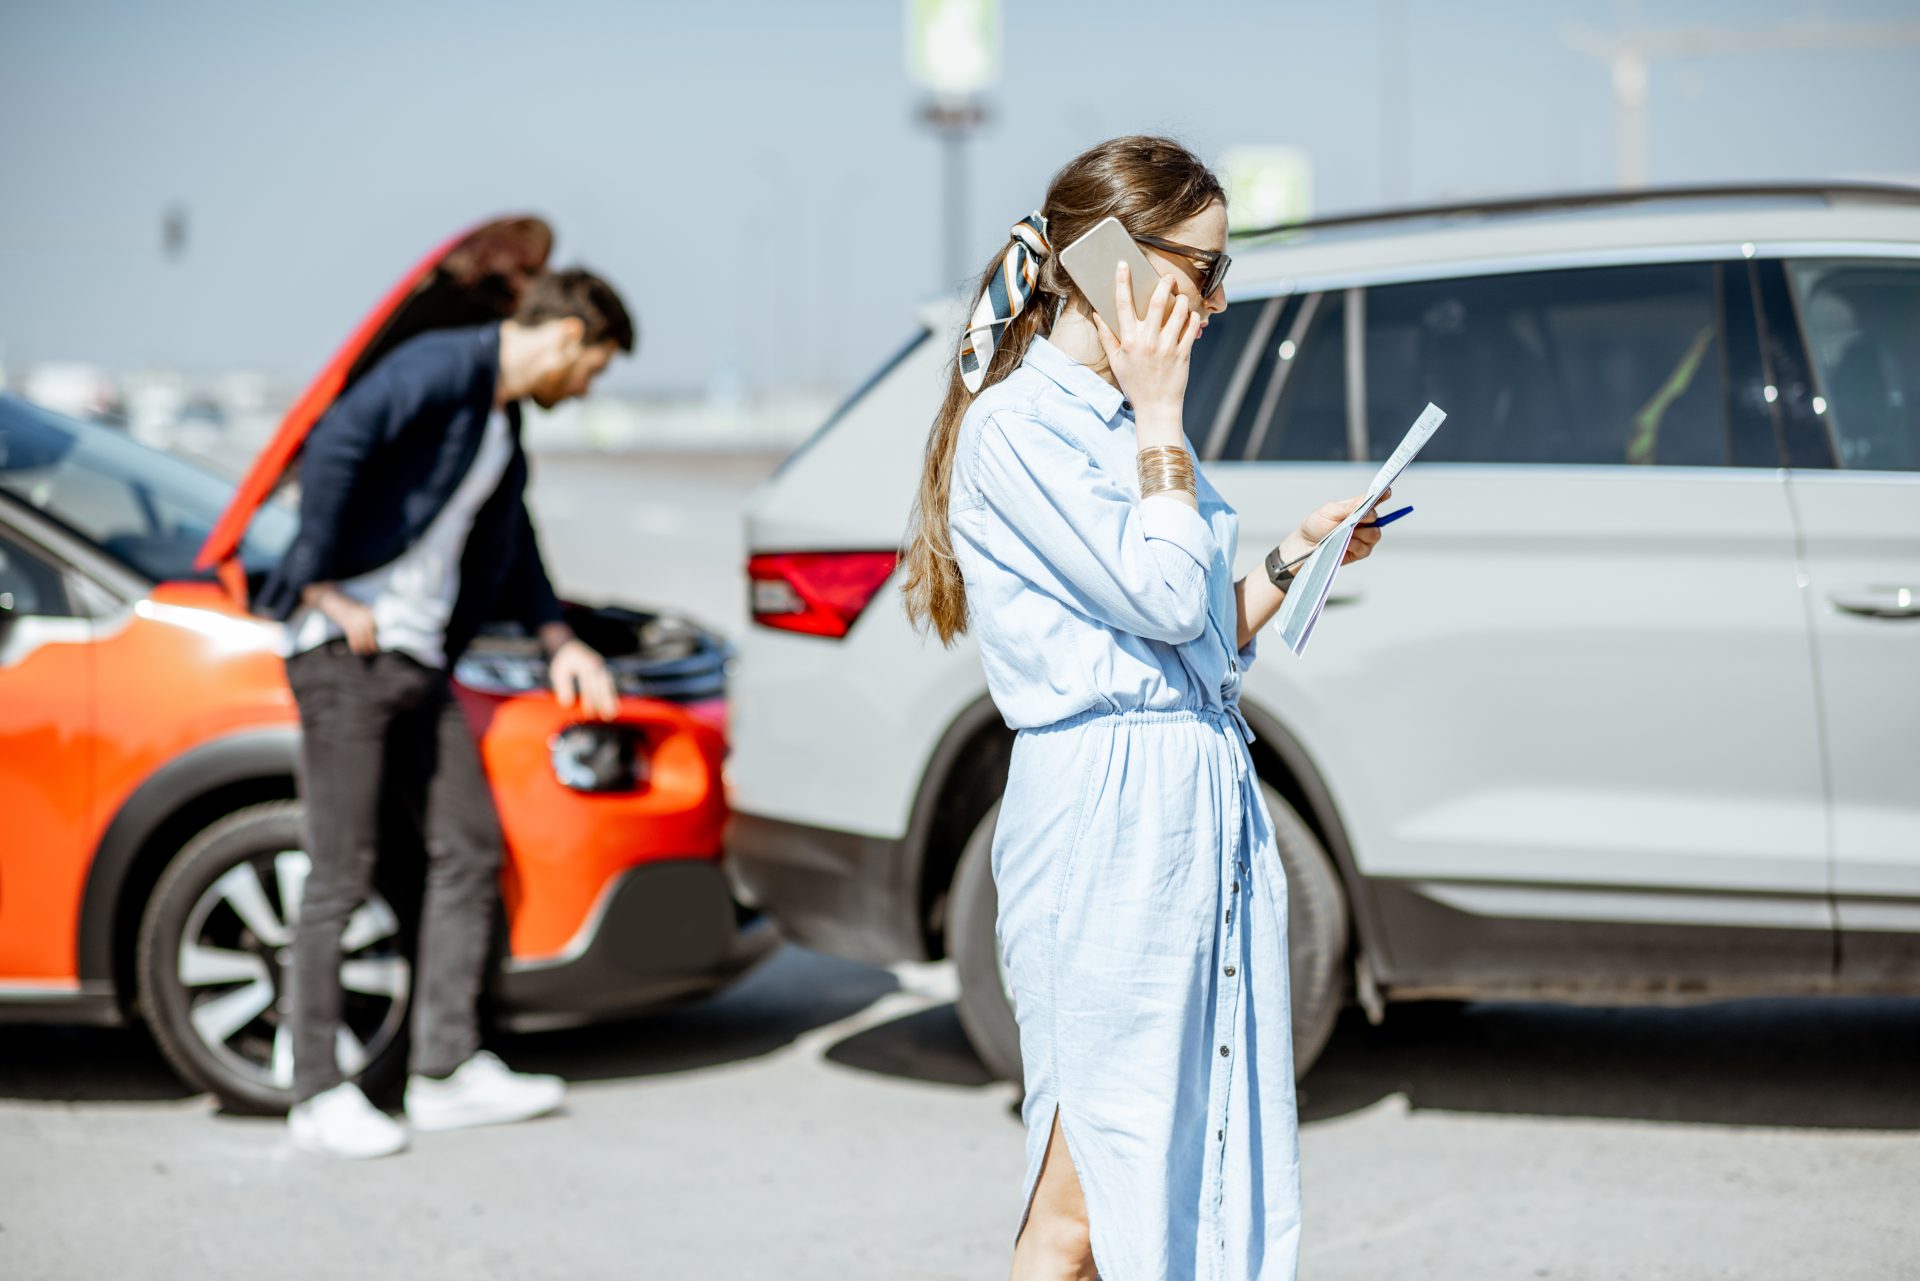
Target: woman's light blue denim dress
[[1143, 909]]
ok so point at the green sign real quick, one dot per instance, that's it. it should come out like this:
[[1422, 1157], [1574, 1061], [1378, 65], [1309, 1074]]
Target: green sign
[[1266, 186], [953, 46]]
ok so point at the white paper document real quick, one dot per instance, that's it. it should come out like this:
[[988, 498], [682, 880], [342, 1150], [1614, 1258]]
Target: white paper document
[[1311, 586]]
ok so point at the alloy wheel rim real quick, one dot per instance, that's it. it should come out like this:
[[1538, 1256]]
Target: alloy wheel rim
[[234, 965]]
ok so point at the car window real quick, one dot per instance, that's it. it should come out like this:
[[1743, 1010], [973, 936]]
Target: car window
[[1610, 365], [145, 508], [1215, 377], [1298, 408], [30, 584], [1862, 324]]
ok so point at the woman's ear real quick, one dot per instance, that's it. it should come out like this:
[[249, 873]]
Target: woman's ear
[[573, 335]]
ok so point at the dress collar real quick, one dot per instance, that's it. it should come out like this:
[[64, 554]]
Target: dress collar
[[1075, 378]]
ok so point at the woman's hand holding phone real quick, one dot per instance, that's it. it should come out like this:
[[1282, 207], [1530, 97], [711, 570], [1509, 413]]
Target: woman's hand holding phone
[[1150, 356]]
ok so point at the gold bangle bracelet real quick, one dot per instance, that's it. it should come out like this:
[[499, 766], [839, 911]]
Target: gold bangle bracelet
[[1166, 467]]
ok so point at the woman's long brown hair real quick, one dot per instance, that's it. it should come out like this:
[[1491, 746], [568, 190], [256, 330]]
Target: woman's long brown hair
[[1151, 185]]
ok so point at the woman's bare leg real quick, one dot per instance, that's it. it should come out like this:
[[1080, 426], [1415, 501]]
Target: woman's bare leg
[[1055, 1244]]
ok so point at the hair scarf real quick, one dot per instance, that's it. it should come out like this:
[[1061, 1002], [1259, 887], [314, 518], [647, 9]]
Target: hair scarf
[[1006, 294]]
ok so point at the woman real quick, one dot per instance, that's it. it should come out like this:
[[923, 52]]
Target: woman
[[1142, 903]]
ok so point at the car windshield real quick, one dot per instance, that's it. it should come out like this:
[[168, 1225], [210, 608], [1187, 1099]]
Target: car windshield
[[143, 507]]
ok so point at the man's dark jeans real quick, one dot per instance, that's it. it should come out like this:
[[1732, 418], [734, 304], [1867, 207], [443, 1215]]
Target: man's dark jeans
[[383, 736]]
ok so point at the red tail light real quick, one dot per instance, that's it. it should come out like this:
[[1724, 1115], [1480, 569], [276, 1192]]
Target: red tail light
[[820, 593]]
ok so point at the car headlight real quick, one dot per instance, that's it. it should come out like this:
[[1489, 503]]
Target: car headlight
[[599, 758]]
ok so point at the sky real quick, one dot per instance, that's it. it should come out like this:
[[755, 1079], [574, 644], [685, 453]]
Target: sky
[[752, 175]]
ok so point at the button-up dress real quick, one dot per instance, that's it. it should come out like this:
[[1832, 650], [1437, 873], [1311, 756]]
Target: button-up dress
[[1143, 908]]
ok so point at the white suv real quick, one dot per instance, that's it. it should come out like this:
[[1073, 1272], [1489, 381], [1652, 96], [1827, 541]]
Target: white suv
[[1629, 708]]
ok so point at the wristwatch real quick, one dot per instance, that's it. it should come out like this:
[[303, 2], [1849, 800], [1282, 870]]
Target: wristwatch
[[1279, 573]]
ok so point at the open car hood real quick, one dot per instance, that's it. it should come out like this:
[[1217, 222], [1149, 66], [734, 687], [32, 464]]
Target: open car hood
[[473, 278], [651, 655]]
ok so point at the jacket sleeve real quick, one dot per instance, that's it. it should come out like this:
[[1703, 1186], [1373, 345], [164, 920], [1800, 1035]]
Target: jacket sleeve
[[399, 391], [1075, 532]]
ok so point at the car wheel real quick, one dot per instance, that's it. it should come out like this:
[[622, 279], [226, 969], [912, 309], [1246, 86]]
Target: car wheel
[[985, 1005], [215, 954], [1316, 943]]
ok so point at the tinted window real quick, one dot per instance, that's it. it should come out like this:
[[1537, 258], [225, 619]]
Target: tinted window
[[28, 584], [1298, 404], [1862, 323], [1216, 365], [143, 507], [1600, 365], [1265, 369]]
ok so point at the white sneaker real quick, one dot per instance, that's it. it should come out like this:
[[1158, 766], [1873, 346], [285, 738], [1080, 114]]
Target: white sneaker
[[341, 1122], [481, 1091]]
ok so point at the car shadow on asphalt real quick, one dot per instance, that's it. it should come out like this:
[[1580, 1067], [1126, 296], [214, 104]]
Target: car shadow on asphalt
[[789, 994], [928, 1045], [1814, 1063], [1821, 1063], [786, 996], [84, 1064]]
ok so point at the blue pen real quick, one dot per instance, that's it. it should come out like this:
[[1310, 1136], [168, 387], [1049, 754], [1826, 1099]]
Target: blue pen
[[1388, 519]]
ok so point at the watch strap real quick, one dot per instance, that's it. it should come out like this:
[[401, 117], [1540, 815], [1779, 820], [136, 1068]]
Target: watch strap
[[1279, 573]]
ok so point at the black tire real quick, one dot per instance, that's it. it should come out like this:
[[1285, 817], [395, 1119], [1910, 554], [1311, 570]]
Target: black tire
[[985, 1008], [1317, 942], [225, 895]]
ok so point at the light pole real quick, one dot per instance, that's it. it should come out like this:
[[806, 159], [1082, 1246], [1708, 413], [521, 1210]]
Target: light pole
[[953, 49], [953, 120]]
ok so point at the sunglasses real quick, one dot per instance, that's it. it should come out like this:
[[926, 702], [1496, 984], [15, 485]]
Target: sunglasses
[[1211, 265]]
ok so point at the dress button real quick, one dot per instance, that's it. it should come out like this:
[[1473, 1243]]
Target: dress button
[[1223, 1051], [1229, 971], [1229, 916], [1236, 887], [1220, 1135]]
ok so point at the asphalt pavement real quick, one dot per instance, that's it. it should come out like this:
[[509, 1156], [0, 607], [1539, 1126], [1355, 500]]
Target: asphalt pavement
[[826, 1120]]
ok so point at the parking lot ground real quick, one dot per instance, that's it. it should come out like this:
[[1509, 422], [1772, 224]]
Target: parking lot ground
[[825, 1120]]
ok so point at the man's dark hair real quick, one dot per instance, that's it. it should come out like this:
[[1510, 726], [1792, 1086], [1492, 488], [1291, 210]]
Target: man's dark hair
[[556, 295]]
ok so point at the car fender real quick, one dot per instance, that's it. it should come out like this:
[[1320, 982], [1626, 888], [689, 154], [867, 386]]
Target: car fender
[[1300, 779], [1310, 793], [264, 756]]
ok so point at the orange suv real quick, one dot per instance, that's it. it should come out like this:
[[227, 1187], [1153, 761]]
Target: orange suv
[[151, 857]]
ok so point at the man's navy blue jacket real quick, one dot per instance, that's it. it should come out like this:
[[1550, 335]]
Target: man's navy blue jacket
[[382, 462]]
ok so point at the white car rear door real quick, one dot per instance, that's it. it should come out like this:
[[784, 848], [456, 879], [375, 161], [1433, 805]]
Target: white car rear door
[[1859, 517]]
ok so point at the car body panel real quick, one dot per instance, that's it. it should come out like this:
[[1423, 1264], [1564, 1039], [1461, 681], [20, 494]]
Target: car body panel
[[46, 795], [1609, 776], [126, 725], [1587, 696], [1861, 534], [564, 848]]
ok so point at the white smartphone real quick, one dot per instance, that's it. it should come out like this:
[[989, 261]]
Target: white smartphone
[[1091, 259]]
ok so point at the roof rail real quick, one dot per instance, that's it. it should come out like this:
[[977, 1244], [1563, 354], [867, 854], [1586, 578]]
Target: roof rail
[[1596, 199]]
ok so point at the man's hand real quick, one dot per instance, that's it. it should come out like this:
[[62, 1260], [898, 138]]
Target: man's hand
[[354, 620], [579, 673]]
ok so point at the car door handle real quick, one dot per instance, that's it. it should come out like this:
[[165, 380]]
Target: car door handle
[[1879, 602]]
